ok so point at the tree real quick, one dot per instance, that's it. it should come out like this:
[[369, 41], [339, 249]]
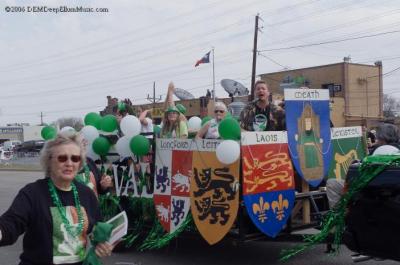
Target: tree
[[74, 122], [391, 106]]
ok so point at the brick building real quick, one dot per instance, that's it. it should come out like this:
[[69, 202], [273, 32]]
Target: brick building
[[355, 89]]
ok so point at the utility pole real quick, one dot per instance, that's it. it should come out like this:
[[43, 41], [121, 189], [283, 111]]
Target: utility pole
[[154, 99], [253, 71], [41, 118]]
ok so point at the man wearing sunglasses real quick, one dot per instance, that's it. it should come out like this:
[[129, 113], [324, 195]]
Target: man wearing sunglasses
[[261, 114]]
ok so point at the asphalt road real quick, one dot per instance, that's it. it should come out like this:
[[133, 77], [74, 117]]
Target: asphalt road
[[182, 251]]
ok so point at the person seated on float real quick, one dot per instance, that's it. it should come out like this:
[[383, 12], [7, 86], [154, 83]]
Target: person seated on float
[[172, 125], [210, 129], [261, 114], [55, 213], [146, 122], [122, 109], [387, 143]]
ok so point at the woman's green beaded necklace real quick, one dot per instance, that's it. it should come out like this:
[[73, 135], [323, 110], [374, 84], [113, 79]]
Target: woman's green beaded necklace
[[57, 202]]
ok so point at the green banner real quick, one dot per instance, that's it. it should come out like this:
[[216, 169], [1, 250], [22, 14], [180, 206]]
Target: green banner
[[348, 145]]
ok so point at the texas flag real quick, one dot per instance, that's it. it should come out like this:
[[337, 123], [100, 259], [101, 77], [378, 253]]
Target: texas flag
[[204, 59]]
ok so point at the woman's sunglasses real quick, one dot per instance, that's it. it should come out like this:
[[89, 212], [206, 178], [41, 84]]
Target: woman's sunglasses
[[219, 111], [73, 158]]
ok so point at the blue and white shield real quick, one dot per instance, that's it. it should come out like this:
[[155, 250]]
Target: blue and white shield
[[309, 134]]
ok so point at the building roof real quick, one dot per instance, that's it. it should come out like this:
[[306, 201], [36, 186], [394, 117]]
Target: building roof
[[319, 66]]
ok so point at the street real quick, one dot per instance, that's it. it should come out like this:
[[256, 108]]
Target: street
[[181, 251]]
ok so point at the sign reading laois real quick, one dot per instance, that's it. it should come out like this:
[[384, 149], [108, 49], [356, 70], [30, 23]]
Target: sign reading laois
[[308, 128], [348, 145], [268, 181]]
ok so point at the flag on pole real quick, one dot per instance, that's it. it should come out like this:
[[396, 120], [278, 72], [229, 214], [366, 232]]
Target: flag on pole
[[204, 59]]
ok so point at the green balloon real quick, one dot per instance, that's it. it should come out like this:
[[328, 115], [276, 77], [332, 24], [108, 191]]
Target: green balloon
[[93, 119], [139, 145], [156, 129], [48, 132], [101, 146], [109, 123], [229, 129], [205, 120]]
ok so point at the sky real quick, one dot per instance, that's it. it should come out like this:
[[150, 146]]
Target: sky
[[65, 64]]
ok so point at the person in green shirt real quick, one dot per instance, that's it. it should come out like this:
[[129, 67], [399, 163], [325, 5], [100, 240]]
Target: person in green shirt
[[173, 126]]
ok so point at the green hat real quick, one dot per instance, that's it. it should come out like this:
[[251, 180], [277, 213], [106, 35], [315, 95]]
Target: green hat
[[181, 108], [172, 109], [121, 106]]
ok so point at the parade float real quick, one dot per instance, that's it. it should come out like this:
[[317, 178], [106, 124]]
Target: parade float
[[246, 186]]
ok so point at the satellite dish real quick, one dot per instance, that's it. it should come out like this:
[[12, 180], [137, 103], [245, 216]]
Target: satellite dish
[[182, 94], [234, 88]]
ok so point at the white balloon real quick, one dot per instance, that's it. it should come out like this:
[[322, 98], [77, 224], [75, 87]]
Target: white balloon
[[122, 146], [194, 123], [130, 125], [91, 154], [228, 152], [67, 131], [90, 133]]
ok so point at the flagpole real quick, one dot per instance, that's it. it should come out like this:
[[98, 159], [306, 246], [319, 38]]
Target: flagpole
[[213, 74]]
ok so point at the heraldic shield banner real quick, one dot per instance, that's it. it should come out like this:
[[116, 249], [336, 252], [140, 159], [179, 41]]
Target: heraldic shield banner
[[214, 192], [309, 133], [172, 182], [348, 145], [268, 181]]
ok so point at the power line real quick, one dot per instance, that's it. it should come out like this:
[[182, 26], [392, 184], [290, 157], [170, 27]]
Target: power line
[[274, 61], [150, 35], [115, 37], [75, 71], [328, 42], [79, 88]]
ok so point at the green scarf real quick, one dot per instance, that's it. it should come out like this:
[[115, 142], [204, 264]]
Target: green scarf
[[101, 233]]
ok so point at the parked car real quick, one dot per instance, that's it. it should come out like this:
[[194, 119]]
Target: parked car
[[10, 145], [30, 146], [373, 217]]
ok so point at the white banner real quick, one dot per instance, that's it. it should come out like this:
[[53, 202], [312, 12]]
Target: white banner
[[346, 132], [306, 94], [268, 137]]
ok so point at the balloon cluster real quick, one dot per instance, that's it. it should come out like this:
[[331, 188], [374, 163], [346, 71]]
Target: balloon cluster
[[97, 130], [132, 143]]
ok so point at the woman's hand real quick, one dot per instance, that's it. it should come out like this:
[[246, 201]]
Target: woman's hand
[[103, 249]]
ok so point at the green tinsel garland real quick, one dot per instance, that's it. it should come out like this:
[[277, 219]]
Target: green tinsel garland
[[158, 239], [144, 211], [334, 221], [109, 205]]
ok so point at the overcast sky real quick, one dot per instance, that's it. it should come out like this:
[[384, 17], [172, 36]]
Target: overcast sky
[[66, 64]]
